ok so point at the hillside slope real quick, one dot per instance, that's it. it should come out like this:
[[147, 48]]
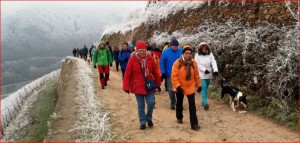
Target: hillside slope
[[255, 43]]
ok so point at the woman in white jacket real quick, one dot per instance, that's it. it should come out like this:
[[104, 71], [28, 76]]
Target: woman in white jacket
[[207, 67]]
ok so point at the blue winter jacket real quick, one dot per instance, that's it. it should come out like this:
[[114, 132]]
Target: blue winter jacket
[[167, 60], [123, 54]]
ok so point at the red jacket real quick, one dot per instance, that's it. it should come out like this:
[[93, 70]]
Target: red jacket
[[133, 78]]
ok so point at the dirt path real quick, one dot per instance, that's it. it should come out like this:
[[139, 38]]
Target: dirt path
[[217, 124], [67, 87]]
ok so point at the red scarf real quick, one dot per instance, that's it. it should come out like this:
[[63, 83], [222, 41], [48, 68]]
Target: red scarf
[[144, 65]]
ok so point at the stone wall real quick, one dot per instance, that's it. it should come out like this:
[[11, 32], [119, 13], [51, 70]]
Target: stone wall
[[253, 13]]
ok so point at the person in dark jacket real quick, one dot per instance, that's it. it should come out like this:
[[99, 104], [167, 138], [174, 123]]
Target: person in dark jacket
[[124, 56], [141, 65], [115, 57], [91, 52], [77, 52], [110, 49], [74, 52], [85, 52]]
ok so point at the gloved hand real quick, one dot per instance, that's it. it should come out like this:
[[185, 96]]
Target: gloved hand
[[95, 66], [127, 91], [158, 89], [179, 89], [206, 72], [126, 59], [164, 75], [215, 74], [110, 64], [199, 89]]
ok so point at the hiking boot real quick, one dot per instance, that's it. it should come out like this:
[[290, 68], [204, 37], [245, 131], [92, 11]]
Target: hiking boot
[[206, 107], [150, 123], [196, 127], [172, 107], [179, 121], [103, 87], [143, 126]]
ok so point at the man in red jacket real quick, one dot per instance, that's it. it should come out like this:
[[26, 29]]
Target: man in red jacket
[[140, 66]]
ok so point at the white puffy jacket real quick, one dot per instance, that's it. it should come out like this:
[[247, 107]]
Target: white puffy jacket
[[206, 62]]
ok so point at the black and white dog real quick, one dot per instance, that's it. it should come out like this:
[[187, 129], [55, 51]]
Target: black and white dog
[[235, 94]]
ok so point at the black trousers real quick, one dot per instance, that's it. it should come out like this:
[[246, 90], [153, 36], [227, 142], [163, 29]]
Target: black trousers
[[192, 108], [117, 65], [123, 73]]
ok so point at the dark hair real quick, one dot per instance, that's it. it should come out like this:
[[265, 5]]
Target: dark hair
[[167, 43], [125, 43], [200, 50]]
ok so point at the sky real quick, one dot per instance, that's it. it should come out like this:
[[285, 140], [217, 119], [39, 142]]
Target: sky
[[10, 7], [37, 34]]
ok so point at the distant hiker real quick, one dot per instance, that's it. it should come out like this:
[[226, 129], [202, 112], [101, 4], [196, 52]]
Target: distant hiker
[[208, 68], [91, 51], [167, 44], [81, 53], [85, 52], [131, 47], [78, 52], [102, 57], [168, 57], [115, 57], [157, 62], [185, 77], [110, 49], [141, 67], [74, 52], [156, 50], [123, 57]]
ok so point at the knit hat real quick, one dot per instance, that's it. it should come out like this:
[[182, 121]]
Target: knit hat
[[102, 42], [131, 45], [174, 43], [140, 45], [186, 48]]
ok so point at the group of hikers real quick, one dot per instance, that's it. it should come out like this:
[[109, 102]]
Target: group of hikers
[[144, 67]]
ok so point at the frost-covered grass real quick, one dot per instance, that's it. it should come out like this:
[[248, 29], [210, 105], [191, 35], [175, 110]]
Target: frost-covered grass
[[272, 50], [16, 108], [152, 14], [93, 123], [40, 113]]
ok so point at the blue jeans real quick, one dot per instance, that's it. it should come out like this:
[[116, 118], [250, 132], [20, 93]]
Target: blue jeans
[[171, 94], [205, 84], [141, 107]]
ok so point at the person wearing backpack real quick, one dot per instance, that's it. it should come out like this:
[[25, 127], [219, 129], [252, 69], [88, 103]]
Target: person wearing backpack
[[102, 57], [168, 57], [140, 69], [123, 57], [185, 77]]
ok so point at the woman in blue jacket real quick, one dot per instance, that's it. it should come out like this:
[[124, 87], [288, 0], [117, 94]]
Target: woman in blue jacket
[[123, 57]]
